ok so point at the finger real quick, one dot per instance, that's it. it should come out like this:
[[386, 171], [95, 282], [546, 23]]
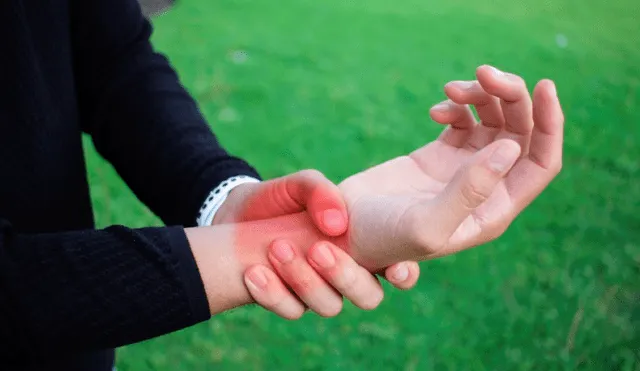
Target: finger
[[459, 118], [472, 184], [269, 292], [306, 190], [306, 283], [404, 275], [487, 107], [345, 275], [547, 138], [515, 101], [529, 177], [312, 191]]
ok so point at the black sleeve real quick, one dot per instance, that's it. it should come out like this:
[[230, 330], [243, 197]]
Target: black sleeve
[[140, 117], [95, 289]]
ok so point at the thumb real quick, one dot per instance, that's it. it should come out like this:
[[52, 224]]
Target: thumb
[[311, 190], [473, 183]]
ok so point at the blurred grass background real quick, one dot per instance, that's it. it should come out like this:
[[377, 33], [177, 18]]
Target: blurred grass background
[[340, 85]]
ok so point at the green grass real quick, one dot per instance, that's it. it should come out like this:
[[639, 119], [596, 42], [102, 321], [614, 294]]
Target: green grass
[[340, 85]]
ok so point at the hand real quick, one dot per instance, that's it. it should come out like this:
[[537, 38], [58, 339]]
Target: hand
[[465, 188], [308, 191], [308, 276]]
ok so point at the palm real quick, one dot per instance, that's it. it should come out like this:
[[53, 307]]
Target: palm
[[439, 162], [381, 198]]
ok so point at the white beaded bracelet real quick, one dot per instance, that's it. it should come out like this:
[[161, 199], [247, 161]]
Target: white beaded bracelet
[[218, 196]]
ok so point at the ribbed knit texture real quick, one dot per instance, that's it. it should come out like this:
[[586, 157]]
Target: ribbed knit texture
[[70, 293], [91, 290]]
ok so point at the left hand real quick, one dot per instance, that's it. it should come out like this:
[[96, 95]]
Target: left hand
[[465, 188], [310, 191]]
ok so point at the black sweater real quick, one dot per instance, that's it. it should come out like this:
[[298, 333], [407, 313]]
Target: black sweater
[[70, 293]]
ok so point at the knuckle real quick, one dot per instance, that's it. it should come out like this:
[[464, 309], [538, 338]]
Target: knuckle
[[301, 285], [473, 192], [519, 91]]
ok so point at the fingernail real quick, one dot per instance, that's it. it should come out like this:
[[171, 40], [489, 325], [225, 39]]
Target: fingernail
[[554, 90], [322, 256], [257, 278], [283, 252], [496, 72], [465, 85], [333, 219], [441, 107], [401, 273], [504, 75], [504, 157]]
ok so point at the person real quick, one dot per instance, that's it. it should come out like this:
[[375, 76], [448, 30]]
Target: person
[[71, 293]]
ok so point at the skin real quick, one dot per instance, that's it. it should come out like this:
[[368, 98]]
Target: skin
[[215, 251], [318, 288], [459, 191], [465, 188]]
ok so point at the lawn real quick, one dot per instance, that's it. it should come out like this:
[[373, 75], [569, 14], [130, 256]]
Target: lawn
[[340, 85]]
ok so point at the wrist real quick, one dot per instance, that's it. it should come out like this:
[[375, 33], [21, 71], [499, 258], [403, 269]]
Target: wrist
[[230, 211], [219, 267], [217, 198], [239, 246]]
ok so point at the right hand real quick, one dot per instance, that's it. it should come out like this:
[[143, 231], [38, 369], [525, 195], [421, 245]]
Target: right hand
[[318, 278], [466, 187]]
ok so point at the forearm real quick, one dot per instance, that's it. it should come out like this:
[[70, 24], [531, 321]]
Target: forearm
[[74, 291], [224, 252]]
